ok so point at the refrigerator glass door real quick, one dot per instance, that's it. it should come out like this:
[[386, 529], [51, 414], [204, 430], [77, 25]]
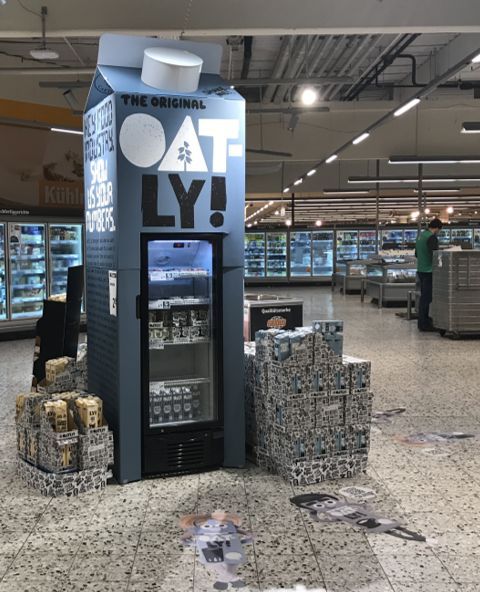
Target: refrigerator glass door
[[322, 245], [66, 251], [347, 245], [391, 239], [276, 254], [368, 244], [254, 254], [182, 356], [300, 254], [3, 271], [444, 236], [463, 237], [410, 238], [476, 239], [27, 270]]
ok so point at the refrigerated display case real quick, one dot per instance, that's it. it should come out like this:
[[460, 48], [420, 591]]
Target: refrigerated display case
[[182, 349], [349, 275], [347, 245], [476, 239], [391, 239], [367, 244], [255, 255], [66, 250], [300, 254], [27, 270], [276, 254], [390, 282], [444, 237], [322, 253], [462, 237], [410, 238], [3, 271]]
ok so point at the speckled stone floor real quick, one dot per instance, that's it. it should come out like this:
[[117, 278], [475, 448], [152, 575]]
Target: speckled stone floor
[[128, 537]]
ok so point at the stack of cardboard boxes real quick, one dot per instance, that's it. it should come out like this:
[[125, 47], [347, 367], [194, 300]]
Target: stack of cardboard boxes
[[309, 408], [66, 374]]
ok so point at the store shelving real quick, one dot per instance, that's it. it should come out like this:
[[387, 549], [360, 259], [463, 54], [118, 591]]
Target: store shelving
[[300, 254], [367, 244], [255, 255], [276, 254], [322, 253], [347, 245], [66, 250], [3, 291]]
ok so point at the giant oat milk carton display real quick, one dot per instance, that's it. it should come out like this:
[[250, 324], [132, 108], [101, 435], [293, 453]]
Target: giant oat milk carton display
[[135, 183]]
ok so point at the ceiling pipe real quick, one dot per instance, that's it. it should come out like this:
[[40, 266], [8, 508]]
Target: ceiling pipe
[[46, 71], [247, 55], [372, 41], [314, 80], [294, 66], [279, 67], [323, 46]]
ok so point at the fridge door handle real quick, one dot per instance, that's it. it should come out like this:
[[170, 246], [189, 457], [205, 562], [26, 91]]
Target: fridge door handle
[[138, 306]]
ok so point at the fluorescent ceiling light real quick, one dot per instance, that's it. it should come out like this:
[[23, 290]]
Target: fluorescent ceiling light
[[439, 190], [286, 190], [312, 172], [360, 138], [346, 192], [298, 182], [66, 131], [331, 158], [288, 222], [471, 127], [309, 96], [449, 210], [3, 2], [404, 108], [432, 160], [476, 59], [318, 223]]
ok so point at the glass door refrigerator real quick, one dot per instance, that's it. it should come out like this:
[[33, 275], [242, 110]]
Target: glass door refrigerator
[[66, 250], [254, 255], [347, 245], [276, 254], [391, 239], [463, 237], [3, 271], [444, 237], [410, 238], [300, 254], [27, 270], [367, 244], [181, 353], [476, 239], [322, 253]]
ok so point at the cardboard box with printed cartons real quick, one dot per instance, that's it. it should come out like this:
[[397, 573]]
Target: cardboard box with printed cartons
[[308, 407]]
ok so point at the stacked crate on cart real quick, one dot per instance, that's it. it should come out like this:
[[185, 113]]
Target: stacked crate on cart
[[308, 406], [455, 305]]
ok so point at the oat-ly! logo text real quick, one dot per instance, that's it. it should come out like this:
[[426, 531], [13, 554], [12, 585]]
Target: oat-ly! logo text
[[143, 143]]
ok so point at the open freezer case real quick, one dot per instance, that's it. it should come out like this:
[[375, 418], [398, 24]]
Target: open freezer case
[[367, 244], [3, 271], [347, 245], [300, 254], [276, 254], [66, 250], [181, 353], [322, 253], [27, 270]]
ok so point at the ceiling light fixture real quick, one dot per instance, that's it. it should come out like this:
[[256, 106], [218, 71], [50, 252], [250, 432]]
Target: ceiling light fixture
[[312, 172], [309, 96], [331, 158], [439, 190], [3, 2], [286, 190], [450, 210], [288, 222], [433, 160], [318, 223], [66, 131], [360, 138], [476, 59], [404, 108], [411, 179], [346, 192], [427, 211], [42, 52], [298, 182], [470, 127]]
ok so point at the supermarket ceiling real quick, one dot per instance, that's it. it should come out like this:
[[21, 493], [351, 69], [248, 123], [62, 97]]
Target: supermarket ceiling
[[363, 64]]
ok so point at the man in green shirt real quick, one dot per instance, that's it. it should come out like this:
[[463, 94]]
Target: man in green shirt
[[427, 242]]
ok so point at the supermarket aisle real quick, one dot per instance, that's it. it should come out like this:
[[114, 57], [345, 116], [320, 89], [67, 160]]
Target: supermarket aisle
[[128, 538]]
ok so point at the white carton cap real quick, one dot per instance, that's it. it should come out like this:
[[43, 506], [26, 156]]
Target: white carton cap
[[170, 69]]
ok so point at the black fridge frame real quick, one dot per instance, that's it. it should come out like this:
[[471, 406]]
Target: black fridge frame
[[217, 326]]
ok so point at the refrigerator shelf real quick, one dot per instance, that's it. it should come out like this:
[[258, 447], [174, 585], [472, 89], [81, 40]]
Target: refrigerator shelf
[[158, 344], [169, 424], [28, 315], [29, 271], [27, 257], [174, 302], [63, 242], [27, 286], [174, 274], [180, 381], [65, 255], [22, 300]]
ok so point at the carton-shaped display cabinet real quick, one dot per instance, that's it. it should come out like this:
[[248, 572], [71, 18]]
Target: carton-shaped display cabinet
[[161, 164]]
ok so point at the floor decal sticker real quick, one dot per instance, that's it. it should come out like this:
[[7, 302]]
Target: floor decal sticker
[[324, 507], [428, 438], [218, 540], [387, 416]]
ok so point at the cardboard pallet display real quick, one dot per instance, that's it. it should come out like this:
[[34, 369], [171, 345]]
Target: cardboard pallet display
[[65, 374], [308, 407], [64, 445]]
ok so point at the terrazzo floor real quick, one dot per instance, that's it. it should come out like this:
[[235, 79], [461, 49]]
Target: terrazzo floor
[[128, 538]]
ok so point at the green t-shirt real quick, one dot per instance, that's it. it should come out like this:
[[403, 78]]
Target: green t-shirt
[[427, 242]]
